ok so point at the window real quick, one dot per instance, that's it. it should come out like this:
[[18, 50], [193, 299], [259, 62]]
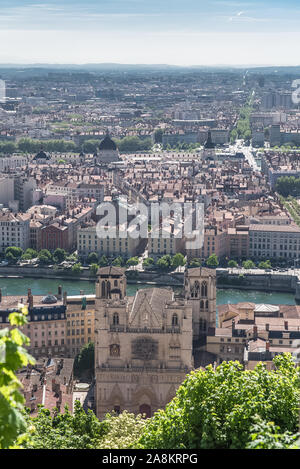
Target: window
[[115, 319], [174, 320]]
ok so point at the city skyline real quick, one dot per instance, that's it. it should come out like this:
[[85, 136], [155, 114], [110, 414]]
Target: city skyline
[[142, 32]]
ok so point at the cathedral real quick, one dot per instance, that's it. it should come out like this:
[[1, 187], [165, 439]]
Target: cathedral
[[108, 152], [144, 344]]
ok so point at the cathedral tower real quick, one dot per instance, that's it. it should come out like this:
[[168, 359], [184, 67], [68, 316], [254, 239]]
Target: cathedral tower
[[200, 292]]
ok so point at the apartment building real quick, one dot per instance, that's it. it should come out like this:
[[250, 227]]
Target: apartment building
[[7, 194], [14, 230], [274, 241], [248, 330], [165, 240], [80, 328], [118, 245], [238, 242], [46, 326], [24, 188]]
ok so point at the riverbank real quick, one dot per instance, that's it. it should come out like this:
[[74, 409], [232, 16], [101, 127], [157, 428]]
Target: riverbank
[[43, 286], [226, 279]]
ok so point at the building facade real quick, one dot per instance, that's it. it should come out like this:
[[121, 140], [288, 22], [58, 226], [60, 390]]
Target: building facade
[[143, 345]]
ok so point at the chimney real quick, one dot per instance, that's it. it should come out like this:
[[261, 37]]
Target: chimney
[[232, 325], [286, 325], [254, 332], [267, 327], [267, 346], [59, 292], [0, 295], [65, 298], [30, 301]]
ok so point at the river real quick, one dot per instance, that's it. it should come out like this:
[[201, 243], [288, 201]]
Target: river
[[19, 286]]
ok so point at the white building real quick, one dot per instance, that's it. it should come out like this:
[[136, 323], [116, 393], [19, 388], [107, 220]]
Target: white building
[[14, 230]]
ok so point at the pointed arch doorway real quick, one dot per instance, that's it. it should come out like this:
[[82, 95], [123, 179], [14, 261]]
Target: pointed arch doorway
[[145, 410]]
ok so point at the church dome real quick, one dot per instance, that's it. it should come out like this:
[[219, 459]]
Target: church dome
[[107, 144], [49, 299], [41, 155]]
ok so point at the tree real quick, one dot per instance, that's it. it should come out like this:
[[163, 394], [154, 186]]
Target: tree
[[158, 135], [45, 256], [164, 263], [132, 261], [59, 255], [217, 408], [195, 263], [92, 258], [29, 254], [77, 268], [53, 430], [12, 357], [118, 261], [94, 269], [84, 361], [232, 263], [148, 261], [103, 262], [212, 261], [265, 265], [13, 253], [267, 435], [123, 431], [178, 260], [248, 264]]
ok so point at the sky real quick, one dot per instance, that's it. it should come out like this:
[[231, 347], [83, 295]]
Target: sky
[[178, 32]]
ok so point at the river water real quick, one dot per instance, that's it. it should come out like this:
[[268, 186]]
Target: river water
[[19, 286]]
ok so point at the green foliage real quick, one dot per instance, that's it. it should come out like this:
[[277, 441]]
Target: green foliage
[[178, 260], [65, 431], [232, 263], [195, 263], [77, 268], [266, 435], [288, 185], [12, 357], [7, 147], [84, 361], [148, 262], [92, 258], [134, 143], [265, 265], [90, 146], [132, 261], [94, 269], [59, 255], [29, 254], [164, 263], [52, 430], [122, 431], [217, 409], [13, 253], [27, 145], [212, 261], [103, 262], [158, 135], [118, 261], [45, 256], [248, 264]]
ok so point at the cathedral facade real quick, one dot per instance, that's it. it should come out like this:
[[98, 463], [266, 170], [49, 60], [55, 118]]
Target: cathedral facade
[[143, 344]]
